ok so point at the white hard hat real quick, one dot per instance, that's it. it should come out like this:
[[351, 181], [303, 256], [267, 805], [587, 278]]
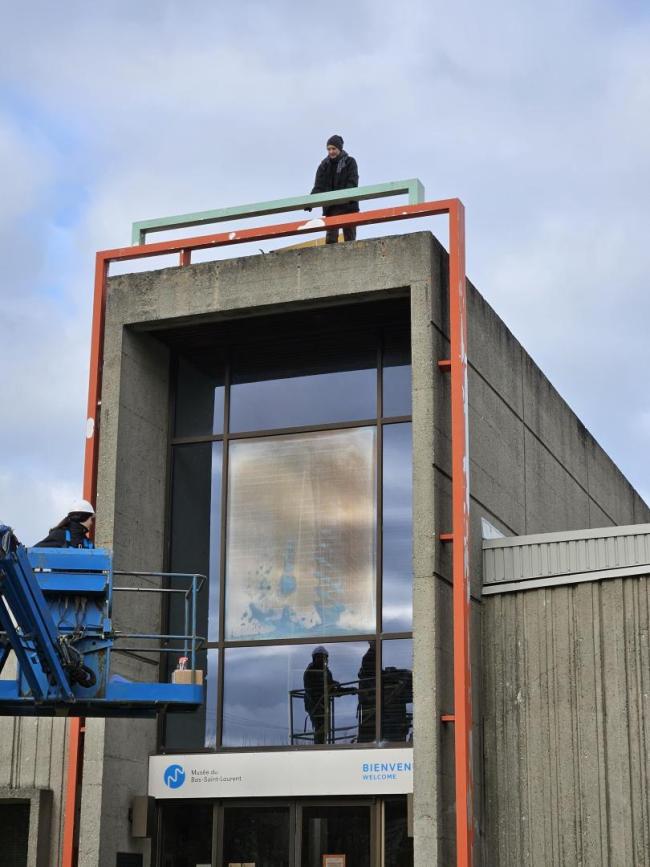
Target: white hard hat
[[81, 506]]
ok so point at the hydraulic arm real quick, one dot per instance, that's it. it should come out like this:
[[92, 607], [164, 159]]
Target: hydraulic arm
[[56, 616]]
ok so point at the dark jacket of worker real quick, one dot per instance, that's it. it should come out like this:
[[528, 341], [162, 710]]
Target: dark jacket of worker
[[318, 681], [337, 174], [70, 533]]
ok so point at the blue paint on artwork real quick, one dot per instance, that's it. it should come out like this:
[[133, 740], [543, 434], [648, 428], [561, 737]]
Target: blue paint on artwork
[[288, 583], [266, 617]]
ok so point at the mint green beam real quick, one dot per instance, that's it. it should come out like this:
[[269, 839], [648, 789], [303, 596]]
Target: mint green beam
[[412, 187]]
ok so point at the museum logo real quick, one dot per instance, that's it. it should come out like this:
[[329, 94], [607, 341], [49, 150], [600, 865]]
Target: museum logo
[[174, 776]]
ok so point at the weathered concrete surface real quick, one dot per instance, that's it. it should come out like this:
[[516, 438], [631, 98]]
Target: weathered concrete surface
[[567, 758], [131, 520]]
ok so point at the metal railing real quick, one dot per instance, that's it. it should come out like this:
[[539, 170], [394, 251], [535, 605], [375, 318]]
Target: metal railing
[[189, 640], [412, 187], [397, 720]]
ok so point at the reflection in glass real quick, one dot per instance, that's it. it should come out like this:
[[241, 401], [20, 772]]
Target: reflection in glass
[[288, 384], [186, 834], [256, 835], [200, 397], [319, 695], [397, 374], [211, 693], [294, 695], [368, 695], [336, 830], [397, 690], [301, 535], [214, 572], [397, 529], [190, 552]]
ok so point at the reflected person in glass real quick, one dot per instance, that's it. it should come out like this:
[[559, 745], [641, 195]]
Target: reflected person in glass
[[367, 695], [320, 687], [396, 694]]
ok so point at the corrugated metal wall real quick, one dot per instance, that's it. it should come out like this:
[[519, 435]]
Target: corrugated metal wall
[[566, 686], [529, 557]]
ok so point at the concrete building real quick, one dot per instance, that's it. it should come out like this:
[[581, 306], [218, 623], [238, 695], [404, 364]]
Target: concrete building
[[279, 423]]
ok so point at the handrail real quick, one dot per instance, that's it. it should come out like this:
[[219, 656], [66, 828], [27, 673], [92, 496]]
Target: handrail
[[413, 187], [190, 640]]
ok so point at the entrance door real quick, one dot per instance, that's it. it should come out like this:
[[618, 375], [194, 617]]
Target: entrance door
[[336, 830], [296, 834], [257, 835]]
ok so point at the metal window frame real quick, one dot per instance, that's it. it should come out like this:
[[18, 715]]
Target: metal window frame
[[379, 635], [455, 365]]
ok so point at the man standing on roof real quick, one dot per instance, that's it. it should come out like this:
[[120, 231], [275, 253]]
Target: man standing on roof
[[74, 530], [338, 171]]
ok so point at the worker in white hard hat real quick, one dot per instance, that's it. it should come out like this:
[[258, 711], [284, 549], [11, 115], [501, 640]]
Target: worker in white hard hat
[[74, 530]]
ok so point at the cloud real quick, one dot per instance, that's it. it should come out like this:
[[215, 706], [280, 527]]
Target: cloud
[[537, 117]]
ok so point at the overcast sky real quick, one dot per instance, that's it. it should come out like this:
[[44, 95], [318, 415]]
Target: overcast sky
[[537, 115]]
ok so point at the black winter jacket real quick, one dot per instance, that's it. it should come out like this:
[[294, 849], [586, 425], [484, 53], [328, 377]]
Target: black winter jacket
[[339, 174], [57, 537]]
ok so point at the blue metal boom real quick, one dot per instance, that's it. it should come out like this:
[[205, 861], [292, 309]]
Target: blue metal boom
[[55, 615]]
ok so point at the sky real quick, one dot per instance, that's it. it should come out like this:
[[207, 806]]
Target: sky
[[536, 115]]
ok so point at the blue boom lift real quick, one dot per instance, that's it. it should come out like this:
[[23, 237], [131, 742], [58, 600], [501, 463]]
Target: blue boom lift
[[55, 615]]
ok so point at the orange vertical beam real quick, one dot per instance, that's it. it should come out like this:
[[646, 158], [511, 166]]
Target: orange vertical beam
[[460, 522], [72, 790], [77, 726], [95, 379]]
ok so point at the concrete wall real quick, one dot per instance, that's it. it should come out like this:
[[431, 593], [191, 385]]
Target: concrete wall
[[131, 520], [566, 741], [534, 468]]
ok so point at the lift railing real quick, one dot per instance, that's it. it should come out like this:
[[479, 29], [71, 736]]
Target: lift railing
[[189, 642]]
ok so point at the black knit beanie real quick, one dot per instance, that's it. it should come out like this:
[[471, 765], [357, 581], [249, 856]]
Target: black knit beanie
[[335, 140]]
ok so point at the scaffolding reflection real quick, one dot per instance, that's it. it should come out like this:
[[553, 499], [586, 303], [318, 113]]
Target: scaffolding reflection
[[313, 709]]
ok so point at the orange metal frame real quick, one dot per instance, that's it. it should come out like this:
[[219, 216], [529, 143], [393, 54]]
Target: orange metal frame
[[456, 366]]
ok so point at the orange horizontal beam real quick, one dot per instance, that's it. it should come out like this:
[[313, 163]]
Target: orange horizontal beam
[[281, 230]]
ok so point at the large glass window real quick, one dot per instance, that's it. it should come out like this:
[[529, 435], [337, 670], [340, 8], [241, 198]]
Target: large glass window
[[200, 396], [293, 695], [301, 535], [397, 373], [397, 528], [291, 489], [397, 690], [195, 546], [290, 384]]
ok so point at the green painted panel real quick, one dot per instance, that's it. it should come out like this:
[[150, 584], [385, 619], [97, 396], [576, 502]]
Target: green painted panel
[[412, 187]]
